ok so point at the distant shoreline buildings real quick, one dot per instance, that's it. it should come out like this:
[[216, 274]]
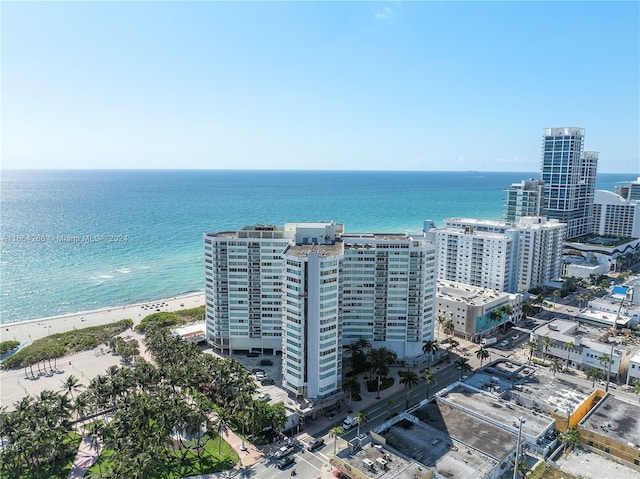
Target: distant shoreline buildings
[[306, 290]]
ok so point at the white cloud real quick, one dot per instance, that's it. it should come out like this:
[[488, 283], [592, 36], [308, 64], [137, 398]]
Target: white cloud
[[385, 14]]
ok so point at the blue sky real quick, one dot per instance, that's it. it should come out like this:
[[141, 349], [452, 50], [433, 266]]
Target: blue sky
[[330, 85]]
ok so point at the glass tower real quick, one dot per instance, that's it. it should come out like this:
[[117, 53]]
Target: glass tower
[[569, 176]]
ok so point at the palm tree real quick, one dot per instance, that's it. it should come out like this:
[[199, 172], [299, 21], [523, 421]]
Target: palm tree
[[452, 344], [70, 385], [555, 366], [463, 365], [482, 354], [449, 327], [334, 433], [593, 374], [546, 343], [362, 418], [430, 378], [351, 386], [430, 348], [604, 360], [570, 347], [408, 379], [508, 310], [495, 316], [440, 319]]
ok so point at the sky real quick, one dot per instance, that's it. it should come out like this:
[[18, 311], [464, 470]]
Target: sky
[[435, 86]]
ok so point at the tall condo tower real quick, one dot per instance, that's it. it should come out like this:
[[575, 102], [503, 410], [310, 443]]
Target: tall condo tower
[[569, 175], [524, 199], [308, 289]]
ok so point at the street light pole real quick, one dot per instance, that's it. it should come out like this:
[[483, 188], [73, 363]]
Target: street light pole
[[515, 465]]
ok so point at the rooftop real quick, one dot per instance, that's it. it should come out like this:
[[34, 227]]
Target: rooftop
[[616, 419], [467, 293], [322, 250]]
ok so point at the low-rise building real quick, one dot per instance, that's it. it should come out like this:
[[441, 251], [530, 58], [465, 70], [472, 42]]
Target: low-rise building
[[583, 346], [633, 372], [471, 309]]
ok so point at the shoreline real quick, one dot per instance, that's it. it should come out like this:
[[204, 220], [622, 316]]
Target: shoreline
[[32, 329]]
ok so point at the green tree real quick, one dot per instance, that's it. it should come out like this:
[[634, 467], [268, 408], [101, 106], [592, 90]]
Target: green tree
[[570, 438], [594, 374], [463, 365], [362, 419], [555, 366], [408, 379], [570, 346], [452, 344], [430, 348], [546, 343], [430, 378], [482, 354], [351, 386], [449, 327], [334, 433]]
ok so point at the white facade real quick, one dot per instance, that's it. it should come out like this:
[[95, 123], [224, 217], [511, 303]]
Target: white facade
[[296, 288], [469, 308], [499, 255], [630, 191], [615, 216], [477, 257], [524, 199], [633, 371], [586, 351]]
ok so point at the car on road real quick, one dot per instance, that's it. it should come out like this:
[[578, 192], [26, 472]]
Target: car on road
[[266, 362], [315, 444], [264, 397], [267, 381], [504, 344], [260, 375], [284, 451], [257, 370], [285, 462], [515, 337]]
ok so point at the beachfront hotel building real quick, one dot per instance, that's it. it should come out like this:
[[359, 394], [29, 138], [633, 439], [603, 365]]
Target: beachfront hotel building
[[524, 199], [307, 289], [569, 176], [614, 215], [500, 255]]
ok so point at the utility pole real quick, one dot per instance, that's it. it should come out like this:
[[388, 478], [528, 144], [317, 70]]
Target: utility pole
[[515, 465]]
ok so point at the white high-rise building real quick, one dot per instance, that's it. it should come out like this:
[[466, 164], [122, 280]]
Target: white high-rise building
[[614, 215], [500, 255], [630, 191], [569, 176], [478, 257], [308, 288], [524, 199]]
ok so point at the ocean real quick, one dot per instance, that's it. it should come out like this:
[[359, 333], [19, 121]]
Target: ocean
[[88, 239]]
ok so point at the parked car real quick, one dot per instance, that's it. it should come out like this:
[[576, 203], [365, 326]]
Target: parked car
[[257, 370], [515, 337], [504, 343], [260, 375], [264, 397], [266, 362], [284, 451], [267, 381], [253, 355], [285, 461], [315, 444]]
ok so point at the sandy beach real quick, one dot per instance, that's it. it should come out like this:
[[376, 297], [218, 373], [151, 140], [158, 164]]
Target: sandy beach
[[26, 331]]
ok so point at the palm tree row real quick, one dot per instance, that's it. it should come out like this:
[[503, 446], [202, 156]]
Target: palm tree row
[[149, 417]]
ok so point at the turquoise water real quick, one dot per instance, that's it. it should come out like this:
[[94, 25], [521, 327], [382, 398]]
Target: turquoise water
[[81, 240]]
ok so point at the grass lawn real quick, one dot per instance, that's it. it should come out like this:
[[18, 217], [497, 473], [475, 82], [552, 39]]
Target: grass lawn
[[210, 462]]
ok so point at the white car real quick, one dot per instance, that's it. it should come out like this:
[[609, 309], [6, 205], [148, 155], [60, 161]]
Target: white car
[[504, 343], [264, 397], [515, 337]]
